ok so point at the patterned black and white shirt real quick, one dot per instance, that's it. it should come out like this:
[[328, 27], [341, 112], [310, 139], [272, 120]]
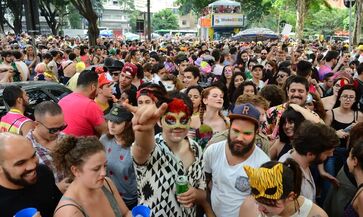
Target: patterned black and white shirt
[[156, 180]]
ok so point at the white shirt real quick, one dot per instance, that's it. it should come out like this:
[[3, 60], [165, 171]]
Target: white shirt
[[230, 184], [308, 189]]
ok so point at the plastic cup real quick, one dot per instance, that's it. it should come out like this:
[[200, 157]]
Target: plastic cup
[[27, 212], [141, 211]]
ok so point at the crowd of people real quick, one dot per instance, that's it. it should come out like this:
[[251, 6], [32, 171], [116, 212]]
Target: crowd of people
[[268, 128]]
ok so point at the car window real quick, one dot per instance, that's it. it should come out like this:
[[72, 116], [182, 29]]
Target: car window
[[3, 108], [37, 96], [59, 93]]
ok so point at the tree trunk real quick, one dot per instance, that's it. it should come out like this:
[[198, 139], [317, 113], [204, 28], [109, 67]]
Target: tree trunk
[[18, 27], [300, 15], [93, 32], [358, 22]]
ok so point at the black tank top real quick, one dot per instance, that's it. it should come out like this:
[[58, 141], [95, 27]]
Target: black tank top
[[340, 126]]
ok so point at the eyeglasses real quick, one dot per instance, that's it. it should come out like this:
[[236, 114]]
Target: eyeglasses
[[346, 97], [281, 75], [115, 73], [55, 129], [263, 53]]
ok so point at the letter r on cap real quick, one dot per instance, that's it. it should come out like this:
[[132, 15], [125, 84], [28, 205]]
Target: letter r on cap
[[245, 110]]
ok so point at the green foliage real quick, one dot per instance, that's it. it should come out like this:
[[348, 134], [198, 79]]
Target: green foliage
[[165, 19], [193, 5], [255, 10], [74, 18]]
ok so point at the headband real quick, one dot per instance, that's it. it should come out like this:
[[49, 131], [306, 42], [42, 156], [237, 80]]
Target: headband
[[146, 92]]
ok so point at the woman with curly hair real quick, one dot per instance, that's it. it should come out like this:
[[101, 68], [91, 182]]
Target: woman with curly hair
[[84, 160]]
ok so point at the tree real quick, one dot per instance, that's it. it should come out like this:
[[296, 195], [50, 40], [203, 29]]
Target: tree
[[15, 8], [255, 10], [50, 9], [165, 19], [74, 18], [358, 21], [86, 9], [193, 5]]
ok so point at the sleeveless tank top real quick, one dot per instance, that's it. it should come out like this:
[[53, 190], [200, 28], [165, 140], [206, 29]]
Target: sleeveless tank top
[[13, 121], [340, 126], [304, 210], [349, 210], [109, 195], [287, 147]]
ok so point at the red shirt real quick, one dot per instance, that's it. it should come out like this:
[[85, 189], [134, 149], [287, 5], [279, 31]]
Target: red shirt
[[81, 114]]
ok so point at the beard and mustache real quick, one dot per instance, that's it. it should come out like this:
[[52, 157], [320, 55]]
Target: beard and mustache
[[240, 152], [21, 181]]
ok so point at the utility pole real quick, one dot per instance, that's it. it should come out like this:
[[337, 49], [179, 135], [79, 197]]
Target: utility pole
[[148, 21]]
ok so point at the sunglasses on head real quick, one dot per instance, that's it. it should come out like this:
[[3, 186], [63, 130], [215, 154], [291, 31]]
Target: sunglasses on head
[[55, 129]]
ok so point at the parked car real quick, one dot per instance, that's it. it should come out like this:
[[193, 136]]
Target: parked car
[[38, 91]]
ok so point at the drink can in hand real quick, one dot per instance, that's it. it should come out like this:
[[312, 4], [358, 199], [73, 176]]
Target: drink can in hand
[[182, 184]]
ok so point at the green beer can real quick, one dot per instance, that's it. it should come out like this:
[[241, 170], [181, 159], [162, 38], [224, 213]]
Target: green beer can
[[182, 184]]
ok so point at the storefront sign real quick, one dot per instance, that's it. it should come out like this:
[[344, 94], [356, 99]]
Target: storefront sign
[[221, 20]]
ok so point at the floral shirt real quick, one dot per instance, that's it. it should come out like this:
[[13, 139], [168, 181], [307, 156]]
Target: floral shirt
[[156, 179]]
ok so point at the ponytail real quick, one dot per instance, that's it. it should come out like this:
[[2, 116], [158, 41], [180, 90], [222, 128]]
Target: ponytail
[[292, 177]]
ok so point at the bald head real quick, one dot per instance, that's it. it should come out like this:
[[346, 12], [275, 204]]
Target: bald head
[[11, 141]]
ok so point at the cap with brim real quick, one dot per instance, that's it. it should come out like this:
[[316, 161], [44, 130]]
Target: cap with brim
[[257, 66], [245, 111], [118, 114]]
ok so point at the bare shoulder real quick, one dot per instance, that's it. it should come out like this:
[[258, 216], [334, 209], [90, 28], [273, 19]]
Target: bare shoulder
[[68, 209], [316, 211], [195, 121], [248, 208]]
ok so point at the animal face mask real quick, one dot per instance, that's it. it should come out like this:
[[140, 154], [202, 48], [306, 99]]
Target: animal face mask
[[265, 182]]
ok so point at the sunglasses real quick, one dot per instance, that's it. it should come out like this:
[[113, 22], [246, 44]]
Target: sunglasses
[[281, 76], [115, 74], [55, 129]]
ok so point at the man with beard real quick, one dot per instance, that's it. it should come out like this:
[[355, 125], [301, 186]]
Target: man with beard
[[313, 144], [160, 160], [263, 57], [49, 122], [81, 113], [15, 121], [297, 88], [23, 182], [224, 161]]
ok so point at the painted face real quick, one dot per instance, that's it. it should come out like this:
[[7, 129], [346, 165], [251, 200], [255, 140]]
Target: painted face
[[347, 98], [173, 120], [228, 72], [241, 138], [115, 128], [297, 94], [195, 96], [175, 126], [93, 172], [238, 80]]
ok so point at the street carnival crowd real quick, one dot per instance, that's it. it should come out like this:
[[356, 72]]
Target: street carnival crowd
[[183, 127]]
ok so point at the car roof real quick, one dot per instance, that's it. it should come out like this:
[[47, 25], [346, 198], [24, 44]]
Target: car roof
[[30, 84]]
